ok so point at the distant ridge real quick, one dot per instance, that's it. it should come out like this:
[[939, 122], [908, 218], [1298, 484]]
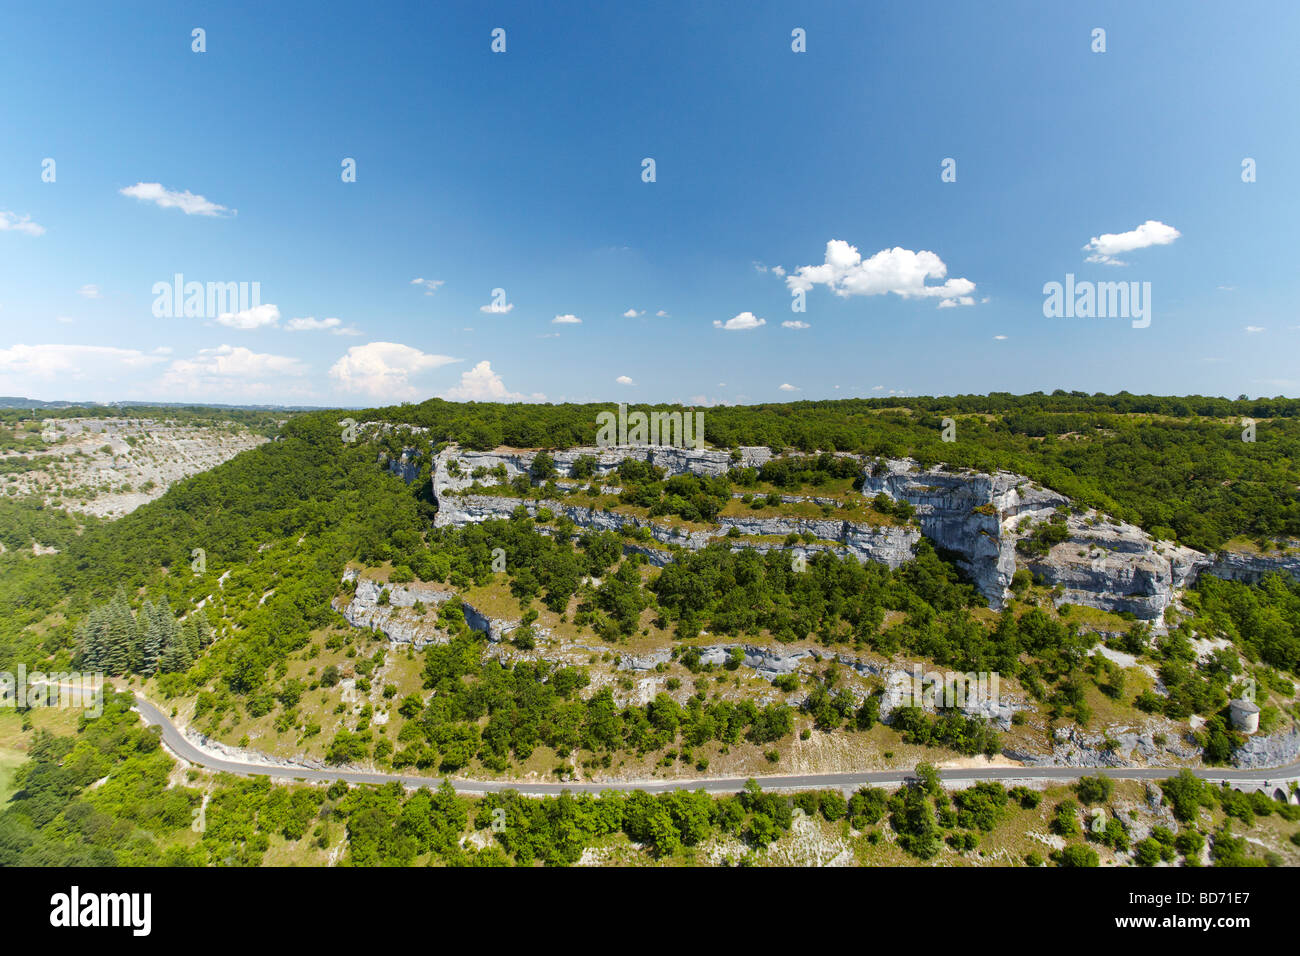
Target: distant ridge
[[10, 401]]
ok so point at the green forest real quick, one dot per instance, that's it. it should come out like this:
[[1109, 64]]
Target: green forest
[[213, 586]]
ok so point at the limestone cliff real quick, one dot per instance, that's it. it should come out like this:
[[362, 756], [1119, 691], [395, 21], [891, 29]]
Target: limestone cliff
[[980, 518]]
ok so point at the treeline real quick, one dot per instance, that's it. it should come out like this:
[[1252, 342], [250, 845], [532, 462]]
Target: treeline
[[1177, 466]]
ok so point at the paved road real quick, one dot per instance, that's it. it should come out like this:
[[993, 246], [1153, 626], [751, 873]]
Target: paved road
[[179, 745]]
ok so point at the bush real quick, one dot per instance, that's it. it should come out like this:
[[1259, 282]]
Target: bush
[[1096, 789]]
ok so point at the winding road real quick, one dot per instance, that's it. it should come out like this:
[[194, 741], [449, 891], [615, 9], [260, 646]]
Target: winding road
[[1267, 779]]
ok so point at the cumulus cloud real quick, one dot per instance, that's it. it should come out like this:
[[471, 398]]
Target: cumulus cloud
[[496, 308], [900, 271], [624, 380], [739, 323], [228, 367], [1109, 245], [312, 324], [481, 384], [187, 202], [430, 286], [384, 369], [633, 313], [44, 363], [662, 314], [254, 318], [795, 324], [1000, 338], [89, 292], [12, 222], [566, 320], [1254, 328]]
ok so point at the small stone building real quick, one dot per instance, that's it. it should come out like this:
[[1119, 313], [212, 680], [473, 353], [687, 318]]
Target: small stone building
[[1245, 715]]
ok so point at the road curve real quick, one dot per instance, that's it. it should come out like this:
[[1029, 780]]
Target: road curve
[[179, 745]]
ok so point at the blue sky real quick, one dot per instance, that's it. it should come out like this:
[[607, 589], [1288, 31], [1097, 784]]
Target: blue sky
[[522, 171]]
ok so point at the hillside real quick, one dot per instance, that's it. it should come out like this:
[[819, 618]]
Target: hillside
[[586, 614]]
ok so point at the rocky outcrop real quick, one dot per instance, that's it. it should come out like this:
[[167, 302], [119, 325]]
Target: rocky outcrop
[[1116, 567], [396, 619], [980, 518], [1272, 750], [1251, 567], [1119, 747], [407, 467], [1104, 564], [966, 513], [454, 467]]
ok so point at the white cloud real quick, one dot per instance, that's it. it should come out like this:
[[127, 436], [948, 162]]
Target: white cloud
[[43, 363], [481, 384], [1254, 328], [900, 271], [492, 308], [254, 318], [787, 387], [65, 319], [89, 291], [633, 313], [384, 369], [624, 380], [430, 286], [311, 324], [187, 202], [229, 367], [566, 320], [739, 323], [795, 324], [662, 314], [1000, 338], [12, 222], [1106, 247]]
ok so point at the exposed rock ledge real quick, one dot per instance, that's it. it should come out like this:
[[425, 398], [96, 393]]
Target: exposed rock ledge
[[1110, 565]]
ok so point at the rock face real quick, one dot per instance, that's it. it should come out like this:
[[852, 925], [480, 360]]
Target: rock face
[[1103, 564], [978, 517], [396, 619], [111, 466], [1273, 750], [891, 545], [1239, 566], [1076, 748], [1117, 567], [407, 467], [967, 513], [454, 467]]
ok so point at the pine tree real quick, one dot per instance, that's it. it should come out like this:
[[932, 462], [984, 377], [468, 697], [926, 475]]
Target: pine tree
[[151, 638], [190, 637], [119, 637], [93, 640]]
